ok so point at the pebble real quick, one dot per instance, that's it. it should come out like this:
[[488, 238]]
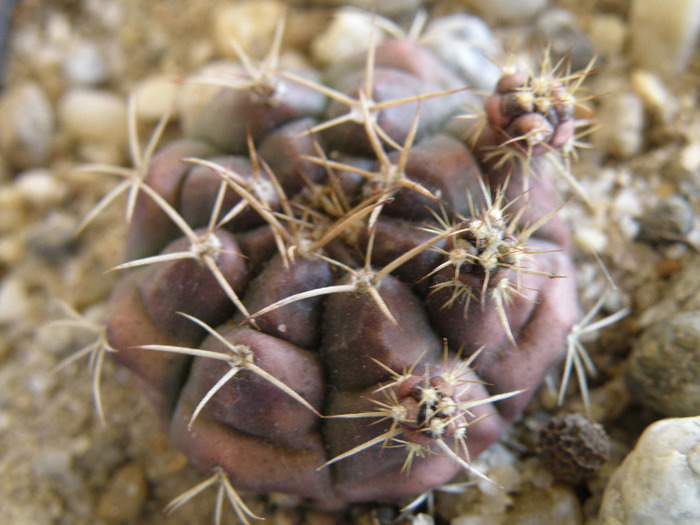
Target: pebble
[[55, 463], [608, 33], [621, 118], [251, 23], [557, 504], [683, 170], [12, 248], [347, 35], [668, 220], [40, 188], [664, 366], [392, 8], [84, 64], [94, 115], [466, 44], [423, 519], [660, 104], [54, 237], [26, 126], [663, 34], [155, 95], [478, 519], [125, 495], [193, 96], [589, 239], [506, 11], [5, 172], [13, 211], [15, 304], [659, 481], [558, 30]]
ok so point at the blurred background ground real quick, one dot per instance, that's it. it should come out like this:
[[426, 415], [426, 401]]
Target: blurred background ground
[[60, 465]]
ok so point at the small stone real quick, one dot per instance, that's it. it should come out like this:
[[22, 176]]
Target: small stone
[[54, 237], [659, 481], [125, 495], [251, 23], [669, 220], [663, 34], [506, 11], [14, 300], [154, 95], [557, 504], [478, 519], [55, 463], [661, 105], [108, 153], [608, 33], [40, 188], [26, 126], [664, 367], [558, 30], [667, 268], [390, 8], [590, 240], [467, 45], [683, 170], [621, 118], [348, 35], [13, 210], [573, 447], [85, 65], [94, 115], [12, 249]]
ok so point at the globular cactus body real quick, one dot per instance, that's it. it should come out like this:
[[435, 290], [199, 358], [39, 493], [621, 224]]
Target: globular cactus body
[[346, 256]]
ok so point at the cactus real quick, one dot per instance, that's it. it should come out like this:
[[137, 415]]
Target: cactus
[[332, 293]]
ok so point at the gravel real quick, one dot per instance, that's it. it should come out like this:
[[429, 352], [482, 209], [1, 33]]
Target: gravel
[[72, 65]]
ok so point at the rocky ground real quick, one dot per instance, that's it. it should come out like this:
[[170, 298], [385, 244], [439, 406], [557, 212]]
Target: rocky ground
[[69, 67]]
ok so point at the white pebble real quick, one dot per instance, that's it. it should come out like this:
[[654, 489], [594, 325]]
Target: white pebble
[[690, 156], [14, 300], [658, 100], [85, 65], [94, 115], [506, 11], [608, 33], [467, 45], [621, 118], [346, 36], [659, 481], [478, 519], [590, 240], [155, 96], [56, 463], [251, 23], [423, 519], [102, 153], [193, 97], [627, 202], [26, 125], [663, 33], [40, 188]]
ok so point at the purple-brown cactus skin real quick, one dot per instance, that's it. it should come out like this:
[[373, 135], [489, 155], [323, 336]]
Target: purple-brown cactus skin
[[376, 270]]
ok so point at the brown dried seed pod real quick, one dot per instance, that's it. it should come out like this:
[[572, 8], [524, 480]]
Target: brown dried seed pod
[[573, 447]]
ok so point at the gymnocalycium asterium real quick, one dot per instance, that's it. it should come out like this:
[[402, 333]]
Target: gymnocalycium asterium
[[332, 290]]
